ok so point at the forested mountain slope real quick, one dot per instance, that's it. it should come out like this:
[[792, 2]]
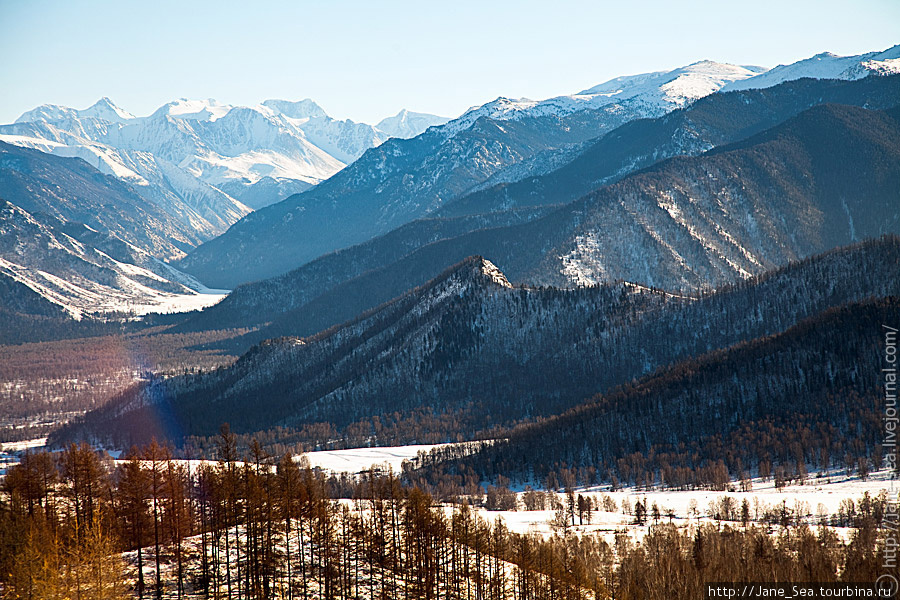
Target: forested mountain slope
[[407, 179], [71, 190], [828, 177], [84, 241], [712, 121], [474, 351], [390, 185], [806, 397]]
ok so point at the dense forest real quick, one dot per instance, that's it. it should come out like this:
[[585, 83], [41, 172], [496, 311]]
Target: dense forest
[[261, 528], [775, 406]]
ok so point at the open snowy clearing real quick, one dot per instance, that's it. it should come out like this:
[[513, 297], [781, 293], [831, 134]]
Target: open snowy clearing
[[356, 460], [36, 443], [815, 498], [173, 303]]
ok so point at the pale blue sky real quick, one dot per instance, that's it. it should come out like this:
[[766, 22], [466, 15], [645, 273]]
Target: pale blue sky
[[366, 60]]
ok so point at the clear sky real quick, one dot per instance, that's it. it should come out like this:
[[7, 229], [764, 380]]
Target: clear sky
[[366, 60]]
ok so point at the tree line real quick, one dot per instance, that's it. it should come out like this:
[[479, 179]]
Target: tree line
[[77, 525], [253, 527]]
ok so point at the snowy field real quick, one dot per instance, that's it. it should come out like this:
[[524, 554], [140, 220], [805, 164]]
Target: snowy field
[[13, 447], [11, 451], [173, 303], [816, 498], [351, 461], [357, 460]]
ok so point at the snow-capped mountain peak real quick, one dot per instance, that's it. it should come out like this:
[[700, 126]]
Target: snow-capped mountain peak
[[825, 65], [47, 112], [196, 110], [103, 109], [106, 110], [701, 79], [213, 157], [302, 109], [407, 124]]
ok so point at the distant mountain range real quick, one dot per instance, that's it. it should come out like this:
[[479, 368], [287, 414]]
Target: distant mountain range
[[86, 242], [219, 160], [685, 223], [409, 179], [95, 242], [519, 181]]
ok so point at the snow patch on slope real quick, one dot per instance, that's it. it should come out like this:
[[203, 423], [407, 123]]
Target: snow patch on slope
[[496, 275], [80, 297]]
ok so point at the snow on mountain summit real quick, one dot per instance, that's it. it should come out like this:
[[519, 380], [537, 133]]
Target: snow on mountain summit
[[106, 110], [672, 89], [825, 65], [227, 150], [103, 109], [703, 78], [200, 110], [656, 93], [408, 124], [203, 153], [205, 156], [302, 109], [647, 94]]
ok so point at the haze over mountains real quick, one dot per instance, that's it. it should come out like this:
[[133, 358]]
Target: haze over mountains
[[404, 180], [407, 179], [213, 157], [518, 181], [87, 242], [535, 240], [166, 183], [618, 342]]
